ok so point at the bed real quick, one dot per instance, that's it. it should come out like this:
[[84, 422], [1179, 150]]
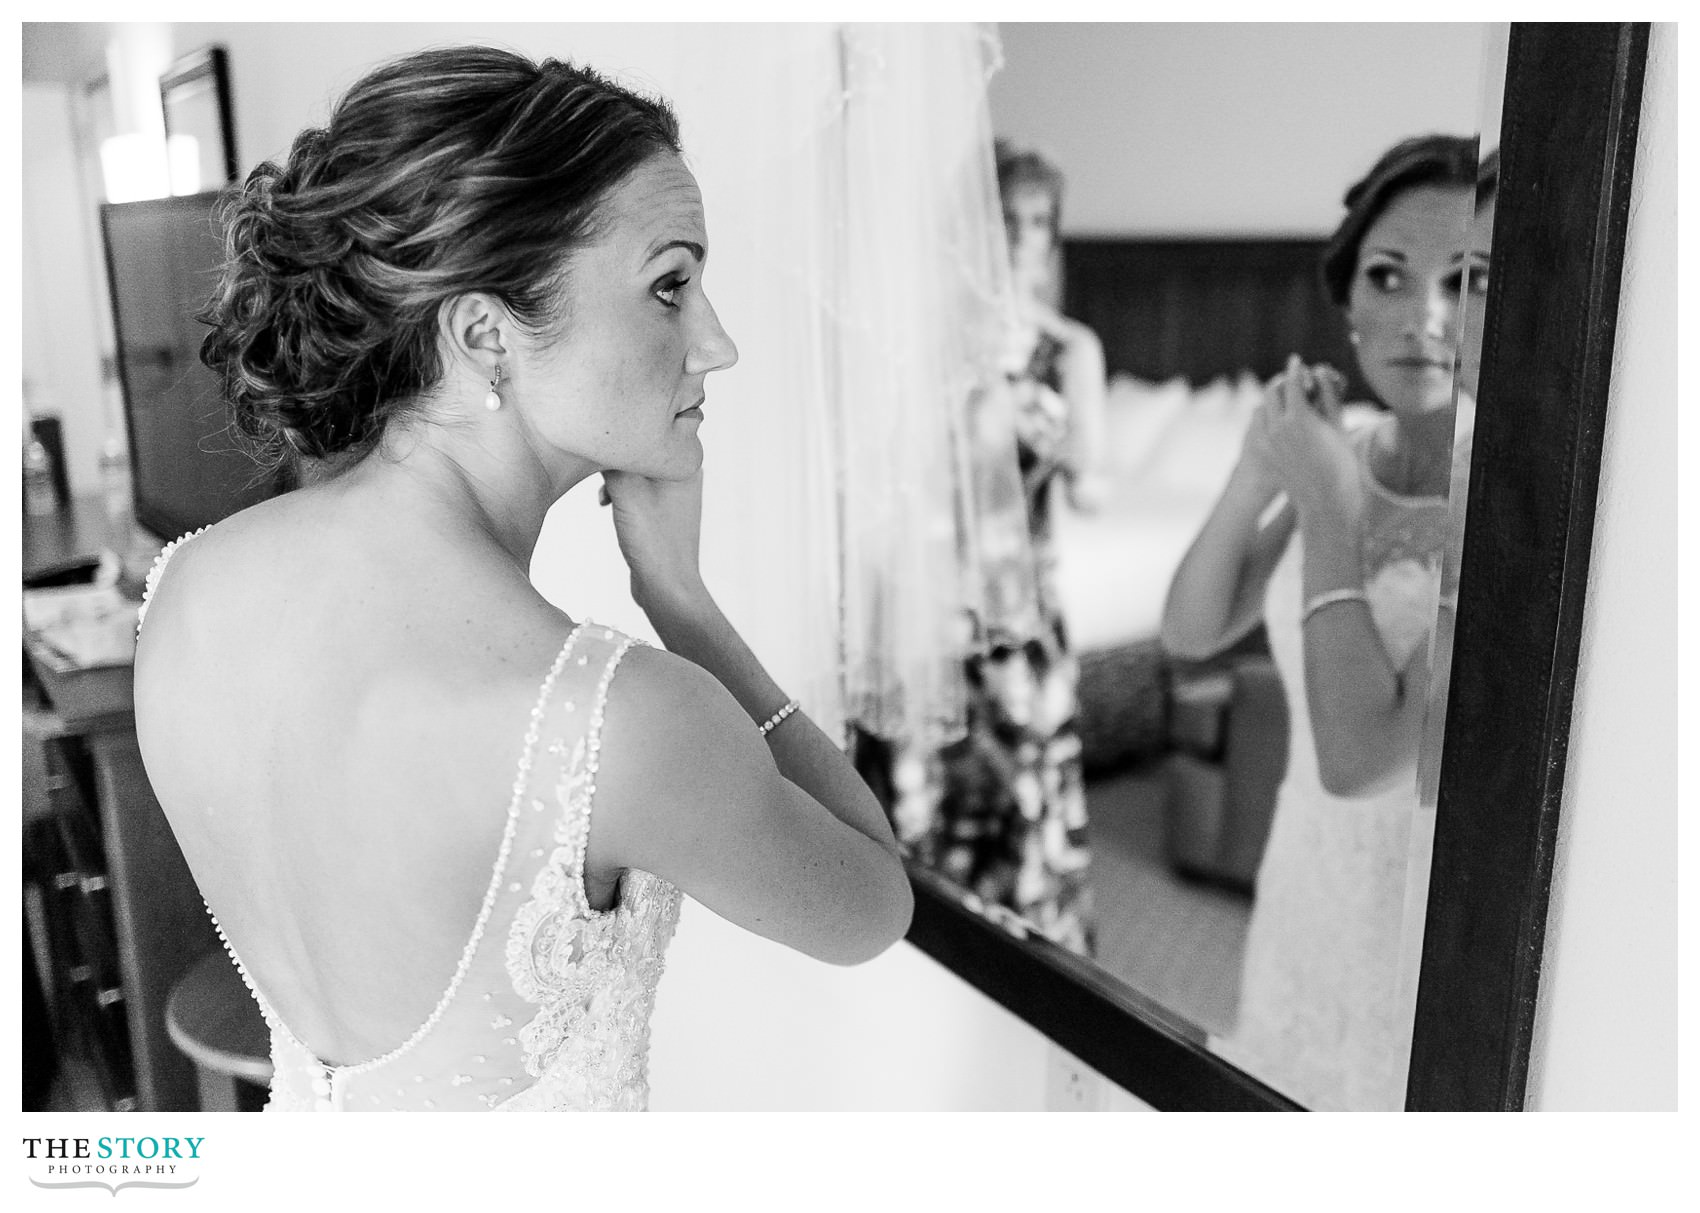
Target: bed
[[1169, 449], [1190, 329]]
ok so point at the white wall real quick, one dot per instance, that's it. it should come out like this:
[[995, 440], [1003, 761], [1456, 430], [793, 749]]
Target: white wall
[[61, 345], [1226, 129], [1605, 1029]]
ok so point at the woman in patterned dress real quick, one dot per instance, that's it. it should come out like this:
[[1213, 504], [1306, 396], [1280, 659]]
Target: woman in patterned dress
[[1013, 813]]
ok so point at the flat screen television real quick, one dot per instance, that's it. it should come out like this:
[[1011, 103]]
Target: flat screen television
[[187, 466]]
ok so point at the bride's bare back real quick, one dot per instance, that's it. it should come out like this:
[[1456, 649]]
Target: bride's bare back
[[355, 697]]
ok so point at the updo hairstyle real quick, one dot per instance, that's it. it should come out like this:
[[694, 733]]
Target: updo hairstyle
[[444, 172], [1422, 160]]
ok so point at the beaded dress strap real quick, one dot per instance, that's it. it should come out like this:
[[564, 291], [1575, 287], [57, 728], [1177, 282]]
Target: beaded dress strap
[[158, 571], [336, 1076], [579, 829]]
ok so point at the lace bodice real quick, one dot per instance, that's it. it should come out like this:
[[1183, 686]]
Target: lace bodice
[[548, 1008]]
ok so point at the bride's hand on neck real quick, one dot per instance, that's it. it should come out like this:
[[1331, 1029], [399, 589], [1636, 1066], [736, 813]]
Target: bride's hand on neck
[[659, 527]]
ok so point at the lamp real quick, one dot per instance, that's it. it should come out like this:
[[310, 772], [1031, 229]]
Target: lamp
[[134, 166]]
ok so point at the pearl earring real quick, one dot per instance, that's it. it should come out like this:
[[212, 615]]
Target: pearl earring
[[1353, 337], [493, 398]]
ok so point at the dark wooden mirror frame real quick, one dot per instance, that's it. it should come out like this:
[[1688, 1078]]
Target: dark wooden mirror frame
[[1567, 147]]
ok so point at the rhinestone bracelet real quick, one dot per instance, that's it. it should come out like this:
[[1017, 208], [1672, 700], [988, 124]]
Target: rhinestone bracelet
[[772, 722]]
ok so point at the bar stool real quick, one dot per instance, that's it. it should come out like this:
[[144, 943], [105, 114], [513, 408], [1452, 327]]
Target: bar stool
[[213, 1019]]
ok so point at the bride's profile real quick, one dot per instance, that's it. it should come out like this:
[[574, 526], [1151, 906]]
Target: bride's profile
[[444, 828]]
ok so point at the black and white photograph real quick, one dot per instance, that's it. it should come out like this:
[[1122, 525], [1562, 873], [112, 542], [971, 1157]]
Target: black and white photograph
[[845, 567]]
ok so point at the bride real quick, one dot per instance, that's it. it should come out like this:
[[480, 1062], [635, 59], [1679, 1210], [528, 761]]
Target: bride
[[1332, 536], [443, 828]]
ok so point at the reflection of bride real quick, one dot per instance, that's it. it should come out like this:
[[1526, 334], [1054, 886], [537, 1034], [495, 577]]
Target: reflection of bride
[[1346, 578]]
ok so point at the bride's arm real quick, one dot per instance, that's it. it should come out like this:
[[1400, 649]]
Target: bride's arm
[[701, 634], [1366, 713], [1216, 595], [778, 834]]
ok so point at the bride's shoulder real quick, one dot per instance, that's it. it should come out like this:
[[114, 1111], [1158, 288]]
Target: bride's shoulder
[[668, 721], [636, 695], [657, 694]]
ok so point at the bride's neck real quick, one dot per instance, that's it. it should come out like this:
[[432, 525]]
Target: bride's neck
[[1415, 454], [444, 483]]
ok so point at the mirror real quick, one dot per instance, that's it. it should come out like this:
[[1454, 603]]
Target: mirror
[[194, 95], [1144, 785], [1567, 140]]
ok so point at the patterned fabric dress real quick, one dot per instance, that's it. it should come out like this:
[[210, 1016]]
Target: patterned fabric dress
[[1012, 819], [549, 1006]]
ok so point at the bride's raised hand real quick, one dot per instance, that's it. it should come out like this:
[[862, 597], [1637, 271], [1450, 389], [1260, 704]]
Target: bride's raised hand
[[1304, 442], [659, 527]]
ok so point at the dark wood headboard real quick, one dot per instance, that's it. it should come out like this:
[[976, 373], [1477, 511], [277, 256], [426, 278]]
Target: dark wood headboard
[[1204, 308]]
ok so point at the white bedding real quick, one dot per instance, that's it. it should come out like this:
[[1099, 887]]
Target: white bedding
[[1169, 450]]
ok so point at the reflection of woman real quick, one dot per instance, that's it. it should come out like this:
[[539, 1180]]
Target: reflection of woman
[[1345, 574], [1014, 813], [480, 285], [1056, 363]]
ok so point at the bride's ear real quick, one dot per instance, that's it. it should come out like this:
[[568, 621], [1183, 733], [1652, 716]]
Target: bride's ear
[[477, 329]]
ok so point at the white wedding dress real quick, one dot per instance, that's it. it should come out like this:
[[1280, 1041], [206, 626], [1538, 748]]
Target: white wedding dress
[[1318, 1016], [549, 1007]]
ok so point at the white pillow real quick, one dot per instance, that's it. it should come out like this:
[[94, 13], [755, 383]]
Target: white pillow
[[1137, 414], [1201, 447]]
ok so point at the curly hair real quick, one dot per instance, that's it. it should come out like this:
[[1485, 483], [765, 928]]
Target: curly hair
[[444, 172], [1421, 160]]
